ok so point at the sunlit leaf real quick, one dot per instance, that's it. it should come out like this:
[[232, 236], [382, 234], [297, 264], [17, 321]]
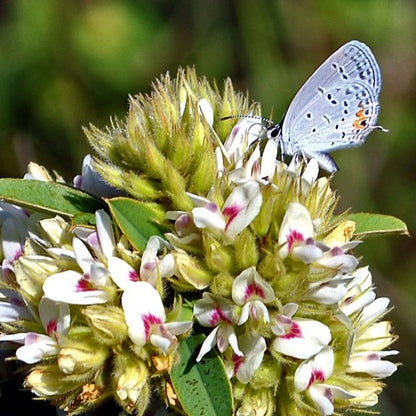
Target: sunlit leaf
[[371, 224], [135, 220], [202, 388], [50, 197]]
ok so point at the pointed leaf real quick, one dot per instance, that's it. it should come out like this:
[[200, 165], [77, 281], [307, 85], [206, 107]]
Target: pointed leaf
[[136, 220], [50, 197], [203, 388], [371, 224]]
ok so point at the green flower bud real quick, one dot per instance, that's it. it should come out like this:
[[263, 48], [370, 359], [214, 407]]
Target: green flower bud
[[190, 273], [246, 251], [217, 256], [81, 357], [256, 403], [31, 272], [107, 323], [131, 383], [49, 381]]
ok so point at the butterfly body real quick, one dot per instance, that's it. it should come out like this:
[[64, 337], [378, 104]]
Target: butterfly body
[[335, 109]]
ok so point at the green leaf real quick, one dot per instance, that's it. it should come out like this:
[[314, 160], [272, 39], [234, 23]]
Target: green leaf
[[135, 220], [50, 197], [203, 388], [371, 224], [84, 218]]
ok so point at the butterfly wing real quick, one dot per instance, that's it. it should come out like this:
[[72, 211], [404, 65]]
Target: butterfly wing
[[337, 107]]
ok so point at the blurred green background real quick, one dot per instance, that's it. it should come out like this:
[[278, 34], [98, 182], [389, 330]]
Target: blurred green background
[[64, 64]]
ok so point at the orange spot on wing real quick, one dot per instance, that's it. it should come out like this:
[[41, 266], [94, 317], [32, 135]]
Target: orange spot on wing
[[361, 117]]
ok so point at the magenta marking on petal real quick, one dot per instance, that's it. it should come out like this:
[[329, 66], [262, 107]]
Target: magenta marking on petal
[[293, 332], [294, 236], [51, 328], [211, 206], [133, 276], [373, 356], [328, 394], [17, 255], [31, 338], [316, 376], [150, 265], [218, 315], [234, 131], [84, 285], [336, 251], [253, 290], [149, 320], [231, 212], [182, 224], [237, 361], [349, 300]]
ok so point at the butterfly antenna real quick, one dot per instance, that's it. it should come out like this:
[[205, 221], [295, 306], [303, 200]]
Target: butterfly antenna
[[260, 118]]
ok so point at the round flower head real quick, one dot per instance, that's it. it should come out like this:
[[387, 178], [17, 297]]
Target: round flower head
[[206, 234]]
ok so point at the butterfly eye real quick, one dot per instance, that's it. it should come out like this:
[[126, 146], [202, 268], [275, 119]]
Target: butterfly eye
[[273, 132]]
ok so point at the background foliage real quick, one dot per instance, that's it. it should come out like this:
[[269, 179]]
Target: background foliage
[[66, 64]]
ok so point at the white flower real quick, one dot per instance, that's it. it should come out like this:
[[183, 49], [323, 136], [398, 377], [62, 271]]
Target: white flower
[[91, 181], [122, 273], [299, 338], [244, 366], [360, 292], [371, 362], [218, 313], [245, 132], [86, 288], [146, 317], [12, 306], [297, 238], [152, 267], [296, 235], [252, 292], [330, 291], [310, 376], [55, 319], [13, 223], [239, 210]]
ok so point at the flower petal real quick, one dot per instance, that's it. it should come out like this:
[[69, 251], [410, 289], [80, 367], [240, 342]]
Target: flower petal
[[36, 347], [241, 207], [205, 109], [249, 285], [253, 348], [296, 226], [71, 287], [208, 217], [315, 370], [371, 363], [323, 399], [55, 317], [105, 233], [143, 308], [121, 272], [304, 339], [208, 344]]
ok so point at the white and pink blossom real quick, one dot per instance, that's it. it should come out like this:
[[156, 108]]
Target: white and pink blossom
[[146, 317], [252, 293], [221, 314], [299, 338], [311, 375], [239, 210]]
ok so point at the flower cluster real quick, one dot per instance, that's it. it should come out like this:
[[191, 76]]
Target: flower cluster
[[252, 255]]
